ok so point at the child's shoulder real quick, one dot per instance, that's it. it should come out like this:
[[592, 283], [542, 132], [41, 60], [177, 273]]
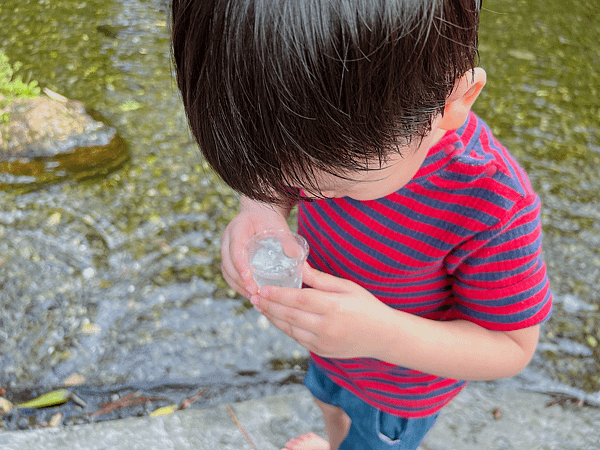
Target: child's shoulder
[[472, 173], [481, 161]]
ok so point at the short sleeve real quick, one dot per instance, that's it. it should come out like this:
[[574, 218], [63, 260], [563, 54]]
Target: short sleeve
[[500, 279]]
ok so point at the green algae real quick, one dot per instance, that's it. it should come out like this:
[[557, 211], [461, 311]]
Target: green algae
[[12, 86]]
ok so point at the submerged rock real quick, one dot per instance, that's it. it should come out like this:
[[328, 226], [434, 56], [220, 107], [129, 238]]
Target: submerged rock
[[51, 138]]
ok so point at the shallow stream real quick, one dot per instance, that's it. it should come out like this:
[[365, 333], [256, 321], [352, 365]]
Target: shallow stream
[[117, 278]]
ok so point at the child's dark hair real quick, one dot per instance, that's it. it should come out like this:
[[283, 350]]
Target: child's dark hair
[[274, 89]]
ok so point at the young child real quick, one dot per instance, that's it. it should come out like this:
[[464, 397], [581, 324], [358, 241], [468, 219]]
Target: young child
[[424, 233]]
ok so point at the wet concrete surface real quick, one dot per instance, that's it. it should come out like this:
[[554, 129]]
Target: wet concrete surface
[[490, 416]]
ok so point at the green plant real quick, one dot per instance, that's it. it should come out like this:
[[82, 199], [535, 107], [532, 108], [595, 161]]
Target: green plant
[[13, 87]]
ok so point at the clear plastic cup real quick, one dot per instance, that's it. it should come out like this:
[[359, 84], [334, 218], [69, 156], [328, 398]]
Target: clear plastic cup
[[277, 258]]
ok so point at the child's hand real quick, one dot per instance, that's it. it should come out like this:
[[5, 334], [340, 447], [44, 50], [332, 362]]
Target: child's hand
[[336, 318], [253, 218]]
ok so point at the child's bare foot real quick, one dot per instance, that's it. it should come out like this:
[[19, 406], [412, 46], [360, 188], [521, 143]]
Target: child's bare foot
[[308, 441]]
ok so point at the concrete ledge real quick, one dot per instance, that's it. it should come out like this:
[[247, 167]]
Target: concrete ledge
[[483, 416]]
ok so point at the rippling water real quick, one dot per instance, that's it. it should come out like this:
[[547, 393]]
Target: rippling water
[[117, 278]]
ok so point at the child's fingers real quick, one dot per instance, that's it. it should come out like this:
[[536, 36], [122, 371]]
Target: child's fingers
[[280, 301], [242, 265], [235, 267], [291, 247], [233, 278], [322, 281]]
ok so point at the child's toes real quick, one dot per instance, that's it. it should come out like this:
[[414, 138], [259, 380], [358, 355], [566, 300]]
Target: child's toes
[[308, 441]]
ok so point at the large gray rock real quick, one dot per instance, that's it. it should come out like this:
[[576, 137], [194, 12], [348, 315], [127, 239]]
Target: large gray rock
[[50, 138]]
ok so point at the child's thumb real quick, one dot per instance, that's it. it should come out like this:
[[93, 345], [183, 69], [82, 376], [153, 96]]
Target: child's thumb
[[321, 280]]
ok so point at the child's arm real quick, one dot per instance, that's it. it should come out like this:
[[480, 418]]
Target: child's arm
[[454, 349], [253, 218], [340, 319]]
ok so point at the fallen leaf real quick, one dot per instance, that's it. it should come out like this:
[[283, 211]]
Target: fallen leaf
[[52, 398], [165, 410]]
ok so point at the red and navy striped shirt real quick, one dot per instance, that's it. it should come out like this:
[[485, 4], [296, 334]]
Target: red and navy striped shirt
[[461, 240]]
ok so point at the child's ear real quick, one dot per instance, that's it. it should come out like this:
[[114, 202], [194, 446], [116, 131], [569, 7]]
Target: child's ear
[[459, 102]]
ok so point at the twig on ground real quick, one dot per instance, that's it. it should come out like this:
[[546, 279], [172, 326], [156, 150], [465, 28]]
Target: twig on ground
[[132, 399], [231, 413], [563, 400], [188, 401]]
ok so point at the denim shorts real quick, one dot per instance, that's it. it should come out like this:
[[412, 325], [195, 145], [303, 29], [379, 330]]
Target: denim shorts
[[371, 428]]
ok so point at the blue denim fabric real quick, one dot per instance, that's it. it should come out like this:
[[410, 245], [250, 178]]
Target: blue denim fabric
[[371, 428]]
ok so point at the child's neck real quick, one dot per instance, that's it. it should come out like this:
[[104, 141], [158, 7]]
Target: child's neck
[[438, 134]]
